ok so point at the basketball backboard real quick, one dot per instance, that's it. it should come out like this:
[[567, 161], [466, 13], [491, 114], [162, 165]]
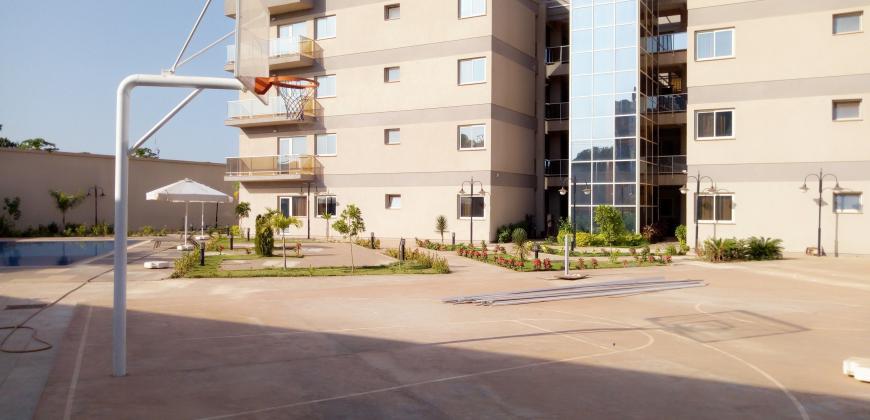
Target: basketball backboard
[[252, 46]]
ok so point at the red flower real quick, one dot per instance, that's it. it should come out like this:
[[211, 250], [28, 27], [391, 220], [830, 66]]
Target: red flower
[[537, 264], [548, 264]]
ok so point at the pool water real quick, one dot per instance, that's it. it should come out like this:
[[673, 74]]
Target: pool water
[[51, 253]]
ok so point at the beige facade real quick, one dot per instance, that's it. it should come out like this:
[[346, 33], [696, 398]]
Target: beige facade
[[788, 70], [427, 105], [30, 175]]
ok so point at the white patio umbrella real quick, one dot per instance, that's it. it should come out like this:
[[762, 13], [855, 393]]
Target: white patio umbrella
[[189, 191]]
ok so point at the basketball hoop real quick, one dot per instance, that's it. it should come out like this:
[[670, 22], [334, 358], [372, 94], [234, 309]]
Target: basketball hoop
[[297, 93]]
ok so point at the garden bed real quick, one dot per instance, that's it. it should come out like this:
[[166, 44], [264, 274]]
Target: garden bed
[[503, 259]]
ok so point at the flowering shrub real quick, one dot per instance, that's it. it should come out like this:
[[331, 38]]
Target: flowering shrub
[[581, 264], [548, 265], [667, 259], [651, 259], [536, 264], [594, 263]]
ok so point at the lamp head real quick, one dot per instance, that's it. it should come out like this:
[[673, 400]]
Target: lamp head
[[684, 190], [804, 188], [462, 190], [586, 190], [563, 191], [838, 187], [482, 192]]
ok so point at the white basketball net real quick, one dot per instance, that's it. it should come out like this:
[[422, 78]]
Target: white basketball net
[[296, 100]]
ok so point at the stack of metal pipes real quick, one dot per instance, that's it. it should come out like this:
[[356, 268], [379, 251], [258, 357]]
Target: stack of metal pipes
[[582, 291]]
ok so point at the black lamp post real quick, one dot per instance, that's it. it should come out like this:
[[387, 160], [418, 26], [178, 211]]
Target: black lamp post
[[480, 192], [685, 190], [821, 177], [563, 191], [98, 193]]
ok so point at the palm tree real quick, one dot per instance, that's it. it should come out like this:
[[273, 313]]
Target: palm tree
[[441, 226], [243, 210], [521, 243], [279, 223], [327, 216], [65, 202]]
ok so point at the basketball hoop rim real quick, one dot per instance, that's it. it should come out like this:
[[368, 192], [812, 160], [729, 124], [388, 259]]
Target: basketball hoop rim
[[263, 84]]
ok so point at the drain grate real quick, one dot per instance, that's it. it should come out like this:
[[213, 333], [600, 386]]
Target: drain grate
[[26, 306]]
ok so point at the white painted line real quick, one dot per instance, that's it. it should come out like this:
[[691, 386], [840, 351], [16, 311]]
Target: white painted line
[[570, 337], [67, 412]]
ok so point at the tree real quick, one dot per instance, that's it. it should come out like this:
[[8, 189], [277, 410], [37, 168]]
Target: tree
[[441, 226], [609, 222], [243, 211], [6, 143], [37, 144], [521, 243], [350, 224], [66, 202], [12, 206], [145, 153], [327, 216], [279, 223], [264, 239]]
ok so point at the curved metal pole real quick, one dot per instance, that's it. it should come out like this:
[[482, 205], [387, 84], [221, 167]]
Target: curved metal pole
[[122, 160]]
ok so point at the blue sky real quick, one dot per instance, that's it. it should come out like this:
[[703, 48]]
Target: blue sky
[[62, 62]]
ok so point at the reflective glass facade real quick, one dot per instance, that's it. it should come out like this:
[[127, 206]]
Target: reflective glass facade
[[611, 133]]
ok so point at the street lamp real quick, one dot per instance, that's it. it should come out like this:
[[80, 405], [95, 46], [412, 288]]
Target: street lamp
[[480, 192], [821, 177], [563, 191], [97, 193], [685, 190]]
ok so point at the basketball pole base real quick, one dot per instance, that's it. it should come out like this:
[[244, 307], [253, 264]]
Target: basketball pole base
[[122, 160]]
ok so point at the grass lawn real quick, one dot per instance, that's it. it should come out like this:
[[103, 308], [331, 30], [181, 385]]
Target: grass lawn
[[211, 269]]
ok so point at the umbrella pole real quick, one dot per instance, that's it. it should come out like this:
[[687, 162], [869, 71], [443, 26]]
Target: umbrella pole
[[186, 204], [202, 219]]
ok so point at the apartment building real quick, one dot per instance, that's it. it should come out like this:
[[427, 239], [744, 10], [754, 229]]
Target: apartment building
[[558, 106], [416, 100], [778, 90]]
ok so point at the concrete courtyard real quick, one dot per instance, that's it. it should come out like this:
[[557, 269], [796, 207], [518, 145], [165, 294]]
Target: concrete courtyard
[[762, 340]]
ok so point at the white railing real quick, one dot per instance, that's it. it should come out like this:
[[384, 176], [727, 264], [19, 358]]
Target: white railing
[[247, 108], [281, 46]]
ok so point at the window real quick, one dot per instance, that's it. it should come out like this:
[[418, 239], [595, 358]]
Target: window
[[326, 145], [292, 146], [472, 137], [471, 8], [472, 70], [847, 110], [393, 201], [711, 45], [324, 28], [326, 204], [847, 202], [294, 206], [711, 125], [392, 12], [326, 89], [716, 208], [391, 74], [392, 136], [470, 207], [847, 23]]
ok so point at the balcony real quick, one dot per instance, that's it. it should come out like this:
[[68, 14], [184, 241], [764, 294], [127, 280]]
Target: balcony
[[556, 116], [670, 49], [557, 60], [276, 7], [270, 168], [672, 164], [668, 109], [556, 167], [253, 113], [284, 53]]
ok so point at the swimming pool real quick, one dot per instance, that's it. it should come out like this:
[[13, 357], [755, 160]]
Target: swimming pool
[[50, 253]]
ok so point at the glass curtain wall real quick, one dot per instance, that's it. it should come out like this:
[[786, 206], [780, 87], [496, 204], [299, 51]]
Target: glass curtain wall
[[611, 132]]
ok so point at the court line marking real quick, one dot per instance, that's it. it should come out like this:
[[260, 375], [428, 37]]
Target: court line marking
[[67, 412], [568, 336], [650, 341], [800, 407]]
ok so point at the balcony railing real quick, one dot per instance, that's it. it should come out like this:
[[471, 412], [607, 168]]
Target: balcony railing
[[279, 47], [667, 103], [556, 111], [250, 108], [556, 167], [672, 164], [270, 166], [557, 54], [678, 41]]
